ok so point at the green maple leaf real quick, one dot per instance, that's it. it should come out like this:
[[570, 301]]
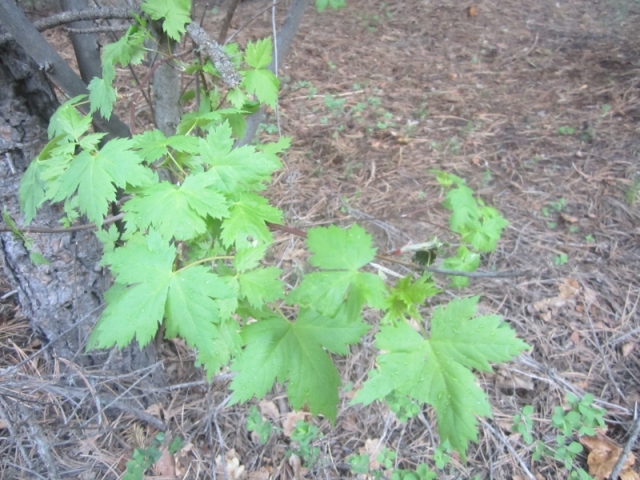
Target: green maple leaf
[[177, 13], [195, 313], [177, 212], [95, 175], [66, 120], [261, 285], [437, 370], [237, 97], [464, 208], [246, 221], [102, 95], [153, 144], [263, 83], [258, 54], [249, 258], [233, 167], [197, 304], [485, 235], [129, 50], [135, 303], [277, 349], [341, 253], [407, 296]]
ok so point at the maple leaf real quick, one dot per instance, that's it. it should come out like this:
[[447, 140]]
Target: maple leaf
[[96, 175], [263, 83], [261, 285], [176, 14], [177, 212], [232, 167], [129, 50], [135, 303], [66, 120], [437, 370], [407, 296], [258, 54], [294, 352], [341, 253], [102, 95], [246, 221], [153, 144], [194, 312]]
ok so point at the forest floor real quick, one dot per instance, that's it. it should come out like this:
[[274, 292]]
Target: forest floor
[[537, 106]]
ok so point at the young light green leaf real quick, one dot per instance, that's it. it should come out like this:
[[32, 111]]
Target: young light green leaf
[[342, 252], [264, 84], [246, 221], [177, 212], [464, 261], [249, 258], [258, 54], [294, 352], [232, 167], [407, 296], [193, 312], [67, 121], [31, 192], [108, 238], [437, 370], [261, 285], [153, 144], [237, 97], [129, 50], [176, 14], [95, 177], [336, 249], [217, 353], [464, 208], [136, 302], [102, 95]]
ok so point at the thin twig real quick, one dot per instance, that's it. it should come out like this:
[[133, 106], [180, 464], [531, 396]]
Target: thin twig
[[43, 446], [506, 443], [227, 21], [633, 436], [12, 432], [75, 228]]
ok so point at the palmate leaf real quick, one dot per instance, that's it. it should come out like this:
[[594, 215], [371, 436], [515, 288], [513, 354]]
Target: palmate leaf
[[102, 95], [261, 285], [143, 269], [193, 312], [153, 144], [263, 83], [437, 370], [96, 175], [196, 303], [340, 253], [176, 14], [294, 352], [233, 168], [246, 222], [177, 212]]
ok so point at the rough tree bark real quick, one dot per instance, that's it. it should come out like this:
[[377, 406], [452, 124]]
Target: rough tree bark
[[62, 300]]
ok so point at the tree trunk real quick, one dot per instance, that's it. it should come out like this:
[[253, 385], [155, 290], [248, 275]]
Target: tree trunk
[[64, 299]]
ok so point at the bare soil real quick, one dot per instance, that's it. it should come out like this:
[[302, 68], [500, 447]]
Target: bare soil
[[537, 106]]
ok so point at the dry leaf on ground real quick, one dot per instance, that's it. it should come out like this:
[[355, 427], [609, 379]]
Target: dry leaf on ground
[[603, 455]]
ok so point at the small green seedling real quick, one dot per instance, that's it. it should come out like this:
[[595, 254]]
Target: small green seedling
[[523, 424], [304, 434], [560, 259], [255, 423]]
